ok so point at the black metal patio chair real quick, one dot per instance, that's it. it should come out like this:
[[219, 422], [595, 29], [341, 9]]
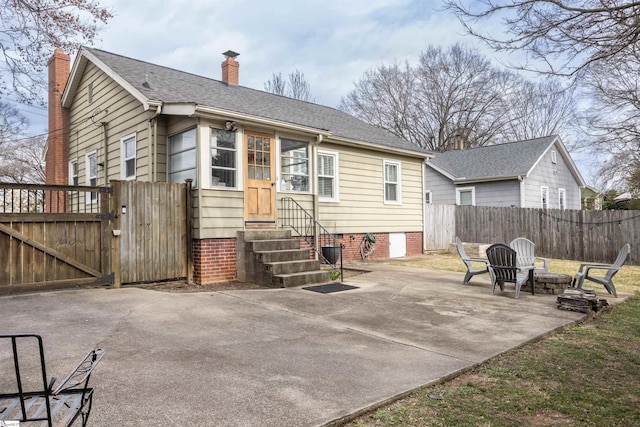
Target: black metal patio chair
[[33, 400]]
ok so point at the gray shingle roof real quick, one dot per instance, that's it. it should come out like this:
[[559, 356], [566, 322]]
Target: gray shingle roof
[[493, 161], [172, 86]]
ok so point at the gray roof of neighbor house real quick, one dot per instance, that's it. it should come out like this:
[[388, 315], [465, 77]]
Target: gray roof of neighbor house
[[171, 86], [494, 162]]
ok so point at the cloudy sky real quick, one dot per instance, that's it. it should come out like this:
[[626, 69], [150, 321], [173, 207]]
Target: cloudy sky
[[333, 42]]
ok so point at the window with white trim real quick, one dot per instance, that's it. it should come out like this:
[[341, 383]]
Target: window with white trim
[[562, 199], [182, 157], [73, 172], [92, 176], [554, 157], [466, 196], [328, 176], [294, 165], [128, 157], [224, 170], [427, 198], [544, 197], [392, 184]]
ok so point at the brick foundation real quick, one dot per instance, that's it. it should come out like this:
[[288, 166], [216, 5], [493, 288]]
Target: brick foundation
[[415, 243], [351, 242], [214, 260]]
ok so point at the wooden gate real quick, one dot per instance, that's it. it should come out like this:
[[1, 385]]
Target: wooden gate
[[439, 226], [53, 236], [152, 232], [62, 236]]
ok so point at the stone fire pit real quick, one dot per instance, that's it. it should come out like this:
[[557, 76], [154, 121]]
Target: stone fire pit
[[549, 283]]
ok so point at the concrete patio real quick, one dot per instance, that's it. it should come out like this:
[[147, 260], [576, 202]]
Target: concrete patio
[[280, 356]]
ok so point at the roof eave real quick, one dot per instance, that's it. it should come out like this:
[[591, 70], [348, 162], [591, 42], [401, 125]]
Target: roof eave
[[441, 171], [378, 147], [77, 71], [488, 179]]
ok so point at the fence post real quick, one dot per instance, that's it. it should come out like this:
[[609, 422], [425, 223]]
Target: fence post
[[116, 187], [106, 227], [189, 230]]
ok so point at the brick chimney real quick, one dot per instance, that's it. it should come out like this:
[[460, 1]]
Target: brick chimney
[[57, 167], [230, 68]]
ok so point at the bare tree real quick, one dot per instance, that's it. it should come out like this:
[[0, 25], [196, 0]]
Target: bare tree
[[30, 30], [561, 37], [613, 120], [540, 108], [12, 123], [276, 85], [450, 93], [385, 97], [21, 157], [295, 86], [594, 42], [22, 161], [461, 94]]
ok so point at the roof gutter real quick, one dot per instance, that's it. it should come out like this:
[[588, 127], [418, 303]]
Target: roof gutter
[[153, 142], [464, 180], [383, 148]]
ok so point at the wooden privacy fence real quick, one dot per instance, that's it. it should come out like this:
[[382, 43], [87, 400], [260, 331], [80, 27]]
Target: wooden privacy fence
[[53, 235], [60, 236], [152, 224], [594, 236]]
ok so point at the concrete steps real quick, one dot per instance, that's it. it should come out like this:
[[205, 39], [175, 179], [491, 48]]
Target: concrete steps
[[274, 258]]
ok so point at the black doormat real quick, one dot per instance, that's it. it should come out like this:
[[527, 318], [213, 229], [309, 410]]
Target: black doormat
[[330, 288]]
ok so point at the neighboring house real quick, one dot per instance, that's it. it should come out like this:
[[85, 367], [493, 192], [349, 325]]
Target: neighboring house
[[592, 199], [536, 173], [117, 118]]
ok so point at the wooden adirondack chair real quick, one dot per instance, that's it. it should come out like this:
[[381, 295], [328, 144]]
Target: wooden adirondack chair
[[584, 272], [525, 250], [468, 262], [503, 268]]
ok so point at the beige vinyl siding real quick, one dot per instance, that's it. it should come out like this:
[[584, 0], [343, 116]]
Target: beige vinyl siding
[[161, 148], [123, 115], [361, 188], [221, 214], [304, 200]]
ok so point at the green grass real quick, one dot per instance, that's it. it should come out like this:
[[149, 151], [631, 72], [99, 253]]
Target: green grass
[[626, 280], [585, 375]]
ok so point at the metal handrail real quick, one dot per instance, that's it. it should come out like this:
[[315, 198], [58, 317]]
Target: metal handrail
[[306, 226]]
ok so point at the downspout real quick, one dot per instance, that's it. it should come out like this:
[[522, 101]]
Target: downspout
[[314, 174], [153, 144], [106, 152]]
